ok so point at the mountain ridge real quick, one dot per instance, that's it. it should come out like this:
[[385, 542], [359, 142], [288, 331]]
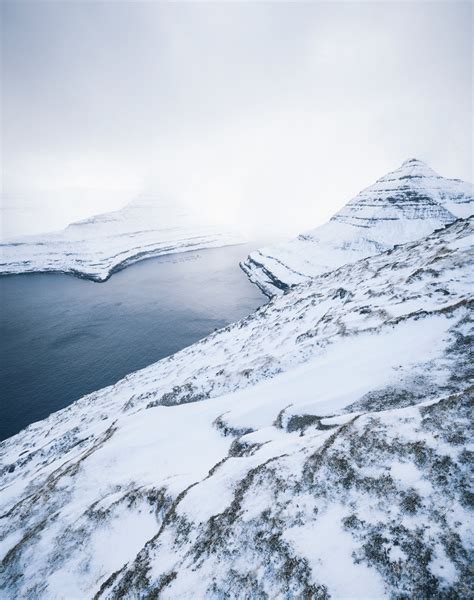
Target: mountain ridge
[[96, 247], [403, 205]]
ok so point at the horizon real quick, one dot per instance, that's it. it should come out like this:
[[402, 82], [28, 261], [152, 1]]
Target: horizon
[[240, 110], [122, 198]]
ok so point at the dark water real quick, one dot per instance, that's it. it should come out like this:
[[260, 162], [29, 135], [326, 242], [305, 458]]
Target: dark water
[[63, 337]]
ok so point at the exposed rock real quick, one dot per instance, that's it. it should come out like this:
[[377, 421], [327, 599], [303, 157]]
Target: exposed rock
[[404, 205], [320, 448]]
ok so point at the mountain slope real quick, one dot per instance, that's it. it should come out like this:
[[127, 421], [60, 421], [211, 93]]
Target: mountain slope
[[318, 448], [97, 247], [404, 205]]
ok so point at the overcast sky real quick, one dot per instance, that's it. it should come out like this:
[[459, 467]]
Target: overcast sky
[[272, 114]]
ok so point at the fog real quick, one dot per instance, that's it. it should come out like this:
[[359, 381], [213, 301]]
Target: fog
[[269, 115]]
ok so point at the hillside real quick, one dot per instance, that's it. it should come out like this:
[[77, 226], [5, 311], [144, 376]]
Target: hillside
[[319, 448]]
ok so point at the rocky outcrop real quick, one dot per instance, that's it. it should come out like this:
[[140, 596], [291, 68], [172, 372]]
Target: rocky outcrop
[[404, 205]]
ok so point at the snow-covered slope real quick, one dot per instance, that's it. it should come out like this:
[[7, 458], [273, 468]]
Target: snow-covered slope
[[319, 448], [404, 205], [97, 247]]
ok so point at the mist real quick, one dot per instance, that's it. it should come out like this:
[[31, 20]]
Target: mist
[[267, 115]]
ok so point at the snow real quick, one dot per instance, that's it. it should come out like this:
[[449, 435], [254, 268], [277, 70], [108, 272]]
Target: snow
[[328, 549], [411, 476], [406, 204], [186, 477], [442, 567], [96, 247], [110, 546]]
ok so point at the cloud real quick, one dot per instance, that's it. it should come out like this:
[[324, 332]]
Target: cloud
[[272, 115]]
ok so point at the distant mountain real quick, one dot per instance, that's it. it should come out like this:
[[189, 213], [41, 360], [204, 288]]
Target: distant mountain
[[95, 248], [319, 448], [404, 205]]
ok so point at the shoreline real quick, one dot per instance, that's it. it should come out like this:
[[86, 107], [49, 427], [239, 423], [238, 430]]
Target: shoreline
[[119, 266]]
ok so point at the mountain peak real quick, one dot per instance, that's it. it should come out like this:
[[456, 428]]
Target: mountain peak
[[410, 193], [403, 205], [413, 162], [412, 168]]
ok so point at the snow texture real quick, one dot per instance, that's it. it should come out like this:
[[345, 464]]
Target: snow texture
[[402, 206], [97, 247], [319, 448]]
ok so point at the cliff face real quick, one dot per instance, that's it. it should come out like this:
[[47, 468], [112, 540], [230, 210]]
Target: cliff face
[[97, 247], [318, 448], [404, 205]]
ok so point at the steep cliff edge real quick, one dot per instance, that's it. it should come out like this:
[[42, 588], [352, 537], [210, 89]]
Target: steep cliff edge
[[97, 247]]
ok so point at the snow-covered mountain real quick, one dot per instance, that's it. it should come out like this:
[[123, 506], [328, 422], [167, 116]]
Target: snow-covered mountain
[[404, 205], [319, 448], [97, 247]]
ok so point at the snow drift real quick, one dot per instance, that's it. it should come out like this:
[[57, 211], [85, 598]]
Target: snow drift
[[319, 448]]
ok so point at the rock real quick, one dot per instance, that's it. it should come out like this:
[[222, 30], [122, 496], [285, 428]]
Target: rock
[[404, 205]]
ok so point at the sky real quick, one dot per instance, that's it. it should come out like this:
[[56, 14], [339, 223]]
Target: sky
[[268, 115]]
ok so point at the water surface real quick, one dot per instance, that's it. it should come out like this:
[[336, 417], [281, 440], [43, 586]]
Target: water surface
[[63, 337]]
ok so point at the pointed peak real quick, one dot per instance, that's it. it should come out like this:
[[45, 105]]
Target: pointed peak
[[413, 162], [412, 168]]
